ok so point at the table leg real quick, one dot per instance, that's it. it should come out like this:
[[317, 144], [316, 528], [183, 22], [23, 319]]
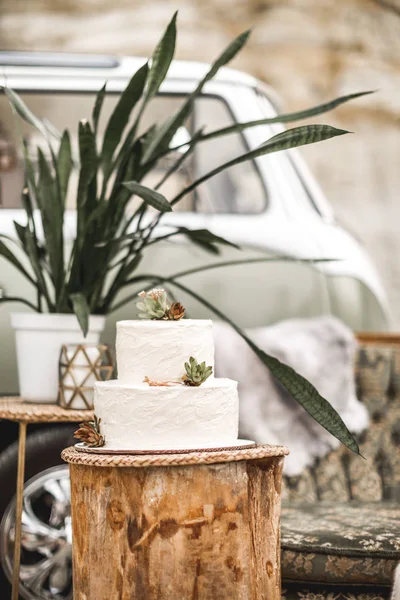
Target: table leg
[[18, 509]]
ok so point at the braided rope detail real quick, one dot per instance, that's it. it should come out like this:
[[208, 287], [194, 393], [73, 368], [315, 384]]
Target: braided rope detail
[[15, 409], [72, 456]]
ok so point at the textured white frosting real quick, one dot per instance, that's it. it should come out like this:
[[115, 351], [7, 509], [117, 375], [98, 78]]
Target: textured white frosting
[[159, 349], [140, 417]]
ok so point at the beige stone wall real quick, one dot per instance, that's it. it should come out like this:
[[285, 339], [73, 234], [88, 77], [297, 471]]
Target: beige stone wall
[[309, 50]]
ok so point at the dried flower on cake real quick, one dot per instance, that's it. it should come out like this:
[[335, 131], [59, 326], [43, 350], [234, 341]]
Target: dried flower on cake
[[196, 373], [153, 383], [176, 311], [155, 306], [89, 433]]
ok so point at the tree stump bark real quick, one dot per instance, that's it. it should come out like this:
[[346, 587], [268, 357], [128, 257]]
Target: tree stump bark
[[198, 526]]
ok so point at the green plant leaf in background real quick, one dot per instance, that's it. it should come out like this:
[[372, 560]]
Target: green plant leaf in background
[[101, 94], [6, 253], [283, 118], [24, 112], [52, 220], [205, 239], [165, 132], [64, 166], [292, 138], [161, 60], [88, 160], [120, 116], [151, 197], [81, 310]]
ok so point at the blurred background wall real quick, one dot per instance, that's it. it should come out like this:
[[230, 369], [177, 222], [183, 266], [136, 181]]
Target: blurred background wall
[[308, 50]]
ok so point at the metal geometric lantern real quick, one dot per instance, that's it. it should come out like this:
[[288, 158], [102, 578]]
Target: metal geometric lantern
[[80, 366]]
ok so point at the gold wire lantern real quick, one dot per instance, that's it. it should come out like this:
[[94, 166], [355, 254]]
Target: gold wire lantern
[[80, 366]]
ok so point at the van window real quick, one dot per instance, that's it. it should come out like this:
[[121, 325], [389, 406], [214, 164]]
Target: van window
[[236, 190]]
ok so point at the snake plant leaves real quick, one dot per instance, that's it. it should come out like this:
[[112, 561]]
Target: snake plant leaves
[[151, 197], [205, 239], [284, 118], [98, 106], [298, 387], [165, 132], [81, 310], [161, 60], [64, 166], [121, 114], [292, 138], [9, 256], [24, 112], [52, 219], [4, 299], [88, 159], [306, 395]]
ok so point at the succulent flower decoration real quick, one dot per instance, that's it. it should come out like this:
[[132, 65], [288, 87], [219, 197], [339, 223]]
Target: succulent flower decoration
[[89, 433], [196, 373], [155, 306]]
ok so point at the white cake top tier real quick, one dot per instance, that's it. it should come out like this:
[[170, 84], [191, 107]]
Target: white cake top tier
[[159, 349]]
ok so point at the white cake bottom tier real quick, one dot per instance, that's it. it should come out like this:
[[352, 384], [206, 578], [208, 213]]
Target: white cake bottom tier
[[164, 418]]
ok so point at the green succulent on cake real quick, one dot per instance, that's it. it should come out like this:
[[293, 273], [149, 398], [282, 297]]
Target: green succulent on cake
[[155, 306], [196, 373]]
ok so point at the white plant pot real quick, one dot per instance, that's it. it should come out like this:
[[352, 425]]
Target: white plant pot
[[39, 338]]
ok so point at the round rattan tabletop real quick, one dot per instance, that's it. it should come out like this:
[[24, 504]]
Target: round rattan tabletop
[[13, 408], [73, 456]]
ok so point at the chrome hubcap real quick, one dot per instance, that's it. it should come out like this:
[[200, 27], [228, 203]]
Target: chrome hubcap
[[46, 566]]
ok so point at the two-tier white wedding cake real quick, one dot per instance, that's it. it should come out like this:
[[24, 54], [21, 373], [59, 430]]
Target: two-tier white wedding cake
[[166, 396]]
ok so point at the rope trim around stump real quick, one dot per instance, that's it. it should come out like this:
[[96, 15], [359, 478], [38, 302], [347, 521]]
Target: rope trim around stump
[[72, 456]]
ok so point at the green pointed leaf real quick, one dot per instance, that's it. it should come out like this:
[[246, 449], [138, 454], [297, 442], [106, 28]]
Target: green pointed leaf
[[121, 114], [165, 133], [301, 389], [52, 219], [154, 199], [207, 240], [284, 118], [64, 165], [98, 106], [174, 168], [292, 138], [131, 265], [23, 111], [51, 129], [4, 299], [161, 60], [6, 253], [88, 160], [81, 310]]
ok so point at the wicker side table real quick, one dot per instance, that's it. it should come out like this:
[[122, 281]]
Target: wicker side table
[[197, 525], [24, 413]]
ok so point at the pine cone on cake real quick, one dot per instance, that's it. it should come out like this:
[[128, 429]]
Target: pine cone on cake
[[176, 311], [89, 433], [196, 373]]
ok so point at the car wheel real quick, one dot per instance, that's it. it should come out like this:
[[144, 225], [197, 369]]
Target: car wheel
[[46, 572]]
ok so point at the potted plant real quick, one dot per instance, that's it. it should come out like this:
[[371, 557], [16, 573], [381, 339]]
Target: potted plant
[[82, 286]]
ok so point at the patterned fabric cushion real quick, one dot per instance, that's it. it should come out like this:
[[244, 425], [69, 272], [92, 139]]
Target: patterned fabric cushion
[[355, 543], [315, 592], [342, 476]]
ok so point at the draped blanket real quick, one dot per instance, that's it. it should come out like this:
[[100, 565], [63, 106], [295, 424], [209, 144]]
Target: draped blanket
[[322, 350]]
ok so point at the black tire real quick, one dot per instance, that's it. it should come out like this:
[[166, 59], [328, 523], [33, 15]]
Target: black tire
[[43, 449]]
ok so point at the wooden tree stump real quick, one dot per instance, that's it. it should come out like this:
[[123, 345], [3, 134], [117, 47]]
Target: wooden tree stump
[[196, 526]]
